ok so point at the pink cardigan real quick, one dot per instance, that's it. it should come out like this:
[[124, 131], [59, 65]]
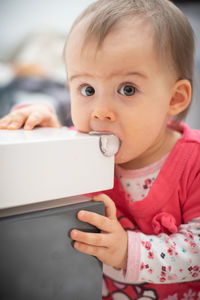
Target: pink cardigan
[[174, 199]]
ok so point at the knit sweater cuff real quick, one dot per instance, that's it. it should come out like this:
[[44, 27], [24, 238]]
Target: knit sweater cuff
[[134, 256]]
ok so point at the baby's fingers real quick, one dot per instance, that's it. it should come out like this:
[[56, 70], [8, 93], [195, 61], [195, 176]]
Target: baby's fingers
[[99, 221], [42, 119], [99, 252], [110, 207], [94, 239], [33, 120], [4, 122], [14, 120]]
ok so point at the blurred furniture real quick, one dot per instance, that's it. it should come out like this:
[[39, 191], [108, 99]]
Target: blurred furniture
[[43, 175], [36, 69]]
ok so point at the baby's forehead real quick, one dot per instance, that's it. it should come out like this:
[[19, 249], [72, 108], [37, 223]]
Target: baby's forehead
[[82, 36], [124, 50], [133, 28], [87, 56]]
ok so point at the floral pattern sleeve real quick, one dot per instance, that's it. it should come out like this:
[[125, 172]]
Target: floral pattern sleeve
[[170, 258]]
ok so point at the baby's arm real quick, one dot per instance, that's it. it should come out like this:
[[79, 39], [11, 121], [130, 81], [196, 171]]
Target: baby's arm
[[166, 258], [30, 116], [151, 258]]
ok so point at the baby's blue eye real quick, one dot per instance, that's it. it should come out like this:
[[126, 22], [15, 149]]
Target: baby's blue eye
[[87, 90], [127, 90]]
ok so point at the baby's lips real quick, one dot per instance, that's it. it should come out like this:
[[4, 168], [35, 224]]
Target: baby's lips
[[109, 142]]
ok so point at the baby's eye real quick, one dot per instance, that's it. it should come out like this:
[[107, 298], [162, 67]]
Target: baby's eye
[[87, 90], [127, 90]]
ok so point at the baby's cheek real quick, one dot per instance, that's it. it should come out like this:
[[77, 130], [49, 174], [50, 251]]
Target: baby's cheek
[[81, 124], [79, 119]]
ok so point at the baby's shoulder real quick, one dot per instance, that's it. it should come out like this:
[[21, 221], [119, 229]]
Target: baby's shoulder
[[190, 138], [192, 135], [187, 149]]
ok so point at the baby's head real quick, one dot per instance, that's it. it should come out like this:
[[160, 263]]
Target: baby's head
[[130, 68], [173, 34]]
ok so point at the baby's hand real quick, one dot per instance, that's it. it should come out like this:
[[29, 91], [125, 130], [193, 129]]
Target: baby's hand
[[111, 245], [29, 117]]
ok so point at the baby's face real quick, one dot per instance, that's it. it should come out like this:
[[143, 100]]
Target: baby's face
[[122, 88]]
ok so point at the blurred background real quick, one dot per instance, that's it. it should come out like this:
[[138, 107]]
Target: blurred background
[[32, 36]]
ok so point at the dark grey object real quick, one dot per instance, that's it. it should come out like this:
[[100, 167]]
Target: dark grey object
[[38, 261], [29, 86]]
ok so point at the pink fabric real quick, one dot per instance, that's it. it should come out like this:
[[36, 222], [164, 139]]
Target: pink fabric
[[163, 222], [140, 172], [176, 190], [134, 254], [174, 199]]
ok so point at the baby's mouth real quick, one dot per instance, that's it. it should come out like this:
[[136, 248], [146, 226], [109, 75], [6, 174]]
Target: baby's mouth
[[109, 142]]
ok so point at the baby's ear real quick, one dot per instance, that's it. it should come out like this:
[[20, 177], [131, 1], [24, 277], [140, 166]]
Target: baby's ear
[[180, 98]]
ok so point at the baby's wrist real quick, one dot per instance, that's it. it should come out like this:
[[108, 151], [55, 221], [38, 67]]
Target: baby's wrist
[[123, 264]]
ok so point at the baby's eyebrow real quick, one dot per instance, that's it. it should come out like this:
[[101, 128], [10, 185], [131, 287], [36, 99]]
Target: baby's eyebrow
[[136, 74], [78, 75], [71, 78]]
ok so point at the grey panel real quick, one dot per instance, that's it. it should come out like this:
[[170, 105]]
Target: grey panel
[[38, 262]]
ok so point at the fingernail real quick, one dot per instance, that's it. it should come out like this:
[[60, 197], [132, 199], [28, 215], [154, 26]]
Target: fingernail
[[76, 245], [81, 213], [13, 125], [74, 233]]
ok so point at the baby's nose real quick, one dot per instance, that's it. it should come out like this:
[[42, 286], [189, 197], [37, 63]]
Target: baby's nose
[[103, 115]]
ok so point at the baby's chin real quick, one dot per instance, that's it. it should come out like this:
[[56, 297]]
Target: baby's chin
[[119, 160], [123, 158]]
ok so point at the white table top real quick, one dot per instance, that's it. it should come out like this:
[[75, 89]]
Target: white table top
[[47, 164], [8, 137]]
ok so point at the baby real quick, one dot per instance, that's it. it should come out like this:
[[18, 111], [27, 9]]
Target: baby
[[130, 71]]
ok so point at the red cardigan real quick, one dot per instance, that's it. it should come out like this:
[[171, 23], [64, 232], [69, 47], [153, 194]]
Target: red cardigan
[[174, 199], [175, 192]]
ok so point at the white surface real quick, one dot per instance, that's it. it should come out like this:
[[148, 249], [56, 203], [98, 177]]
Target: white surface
[[46, 164]]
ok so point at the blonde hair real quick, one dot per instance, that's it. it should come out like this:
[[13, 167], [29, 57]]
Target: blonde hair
[[174, 37]]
